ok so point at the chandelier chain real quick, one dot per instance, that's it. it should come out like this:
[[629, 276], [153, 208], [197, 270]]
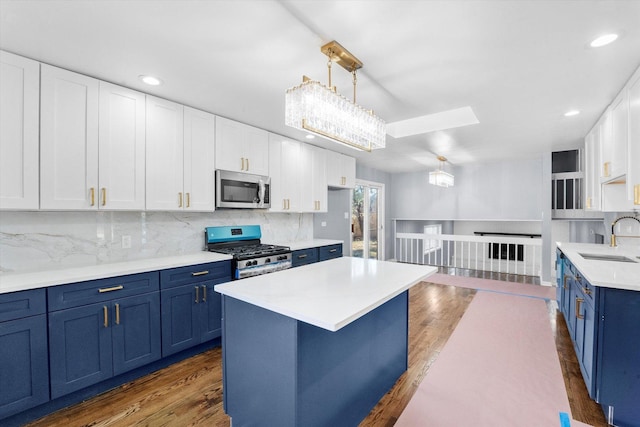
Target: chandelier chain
[[355, 82], [329, 63]]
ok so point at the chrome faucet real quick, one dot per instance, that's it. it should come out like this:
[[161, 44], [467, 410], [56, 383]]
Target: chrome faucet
[[613, 236]]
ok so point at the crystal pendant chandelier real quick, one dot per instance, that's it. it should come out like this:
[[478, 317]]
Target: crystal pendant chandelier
[[321, 110], [439, 177]]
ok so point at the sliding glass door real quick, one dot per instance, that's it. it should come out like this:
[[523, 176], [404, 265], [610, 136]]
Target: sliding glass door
[[367, 219]]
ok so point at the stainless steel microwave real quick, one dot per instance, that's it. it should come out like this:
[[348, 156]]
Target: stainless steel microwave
[[242, 190]]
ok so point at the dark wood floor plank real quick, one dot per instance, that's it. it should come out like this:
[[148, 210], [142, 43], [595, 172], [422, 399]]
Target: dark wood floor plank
[[189, 393]]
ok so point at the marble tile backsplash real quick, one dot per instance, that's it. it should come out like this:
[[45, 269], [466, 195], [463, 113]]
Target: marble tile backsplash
[[31, 241]]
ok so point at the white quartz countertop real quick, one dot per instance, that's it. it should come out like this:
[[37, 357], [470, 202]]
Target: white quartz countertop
[[11, 282], [608, 274], [329, 294], [315, 243]]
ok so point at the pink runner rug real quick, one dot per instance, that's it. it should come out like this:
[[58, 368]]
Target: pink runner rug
[[499, 368], [536, 291]]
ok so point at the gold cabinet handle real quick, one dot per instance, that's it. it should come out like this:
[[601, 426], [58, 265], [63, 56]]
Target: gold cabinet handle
[[636, 194], [92, 192], [204, 293], [197, 293], [586, 291], [179, 200], [302, 256], [332, 251], [247, 164], [565, 282], [588, 202], [284, 204], [288, 204], [579, 302], [104, 196], [117, 314], [607, 165], [188, 200], [105, 315], [200, 273], [242, 160], [114, 288]]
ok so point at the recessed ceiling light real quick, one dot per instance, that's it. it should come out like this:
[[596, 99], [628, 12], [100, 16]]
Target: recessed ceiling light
[[571, 113], [150, 80], [604, 40], [309, 136]]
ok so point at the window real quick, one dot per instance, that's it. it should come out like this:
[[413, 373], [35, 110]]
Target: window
[[432, 245]]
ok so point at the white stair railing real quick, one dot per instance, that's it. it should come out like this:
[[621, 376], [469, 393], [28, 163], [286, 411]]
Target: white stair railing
[[503, 254]]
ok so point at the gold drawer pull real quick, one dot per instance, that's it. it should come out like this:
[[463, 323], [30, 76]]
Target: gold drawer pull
[[117, 314], [302, 256], [179, 200], [105, 315], [188, 200], [204, 293], [607, 165], [92, 191], [565, 281], [115, 288], [586, 291], [200, 273], [104, 196], [636, 194], [333, 250], [197, 293], [579, 302]]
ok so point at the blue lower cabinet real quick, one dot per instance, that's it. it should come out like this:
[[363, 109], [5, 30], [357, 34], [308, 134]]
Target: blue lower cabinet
[[329, 252], [92, 343], [191, 309], [24, 367], [304, 256]]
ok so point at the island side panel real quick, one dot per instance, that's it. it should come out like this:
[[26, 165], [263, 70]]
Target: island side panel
[[343, 374], [259, 359]]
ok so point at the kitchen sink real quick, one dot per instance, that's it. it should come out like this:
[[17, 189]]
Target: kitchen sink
[[601, 257]]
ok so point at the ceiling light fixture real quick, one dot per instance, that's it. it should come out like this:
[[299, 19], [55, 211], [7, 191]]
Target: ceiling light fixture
[[309, 136], [321, 110], [439, 177], [571, 113], [150, 80], [604, 40]]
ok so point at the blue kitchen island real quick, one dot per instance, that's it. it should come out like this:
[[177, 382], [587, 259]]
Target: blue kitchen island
[[316, 345]]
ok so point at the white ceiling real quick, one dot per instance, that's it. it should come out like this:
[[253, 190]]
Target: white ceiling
[[518, 64]]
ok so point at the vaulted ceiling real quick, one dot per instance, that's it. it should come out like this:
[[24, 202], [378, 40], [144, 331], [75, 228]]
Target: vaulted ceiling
[[519, 64]]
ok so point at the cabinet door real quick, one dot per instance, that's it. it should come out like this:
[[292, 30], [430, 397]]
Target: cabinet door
[[180, 326], [349, 171], [79, 347], [24, 364], [199, 162], [68, 140], [121, 148], [256, 150], [320, 187], [633, 165], [592, 200], [211, 312], [606, 145], [313, 179], [571, 310], [229, 145], [135, 331], [588, 350], [284, 171], [619, 134], [329, 252], [19, 132], [165, 141]]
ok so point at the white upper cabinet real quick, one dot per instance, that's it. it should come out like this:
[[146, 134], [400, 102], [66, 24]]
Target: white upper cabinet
[[241, 148], [619, 135], [68, 140], [284, 167], [606, 145], [19, 129], [592, 168], [633, 165], [165, 150], [121, 148], [313, 187], [199, 165], [341, 170]]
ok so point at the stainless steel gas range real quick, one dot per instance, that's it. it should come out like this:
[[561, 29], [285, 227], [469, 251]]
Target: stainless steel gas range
[[250, 256]]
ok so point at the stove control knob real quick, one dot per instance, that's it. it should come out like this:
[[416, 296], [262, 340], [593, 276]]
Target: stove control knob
[[282, 257], [255, 262], [267, 261], [248, 263]]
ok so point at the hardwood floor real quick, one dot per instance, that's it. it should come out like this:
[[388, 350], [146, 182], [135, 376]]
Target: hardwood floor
[[189, 393]]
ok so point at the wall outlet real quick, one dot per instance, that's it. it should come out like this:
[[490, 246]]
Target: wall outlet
[[346, 215], [323, 223], [126, 242]]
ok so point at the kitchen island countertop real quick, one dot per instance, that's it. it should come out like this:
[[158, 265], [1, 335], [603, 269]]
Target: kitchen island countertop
[[608, 274], [329, 294]]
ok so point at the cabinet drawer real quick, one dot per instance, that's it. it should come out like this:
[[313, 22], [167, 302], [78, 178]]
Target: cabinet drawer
[[586, 289], [304, 257], [330, 252], [217, 271], [82, 293], [16, 305]]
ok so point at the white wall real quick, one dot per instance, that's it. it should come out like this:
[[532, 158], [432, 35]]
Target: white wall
[[44, 240]]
